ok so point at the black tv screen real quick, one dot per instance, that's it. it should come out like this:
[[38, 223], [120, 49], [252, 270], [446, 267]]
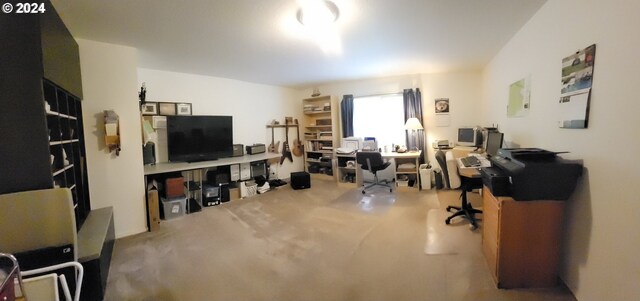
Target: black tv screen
[[199, 138]]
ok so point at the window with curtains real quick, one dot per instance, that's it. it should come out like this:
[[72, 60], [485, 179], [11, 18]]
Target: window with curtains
[[381, 117]]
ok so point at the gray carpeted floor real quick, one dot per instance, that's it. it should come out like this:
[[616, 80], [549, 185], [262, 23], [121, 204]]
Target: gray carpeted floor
[[323, 243]]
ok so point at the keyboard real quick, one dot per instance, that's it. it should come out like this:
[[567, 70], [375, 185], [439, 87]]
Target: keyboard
[[470, 161]]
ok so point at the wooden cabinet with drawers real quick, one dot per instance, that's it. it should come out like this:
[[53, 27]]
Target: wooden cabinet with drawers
[[521, 240]]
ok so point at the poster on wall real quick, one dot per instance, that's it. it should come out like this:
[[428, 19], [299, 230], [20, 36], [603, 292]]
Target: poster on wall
[[519, 99], [442, 112], [575, 94]]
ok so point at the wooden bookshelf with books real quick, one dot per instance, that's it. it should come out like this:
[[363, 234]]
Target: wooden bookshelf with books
[[320, 134]]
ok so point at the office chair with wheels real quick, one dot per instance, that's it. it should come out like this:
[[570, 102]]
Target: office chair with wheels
[[449, 168], [373, 162], [466, 210]]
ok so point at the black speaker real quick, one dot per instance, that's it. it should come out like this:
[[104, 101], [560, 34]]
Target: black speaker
[[149, 153], [224, 193], [300, 180], [238, 150]]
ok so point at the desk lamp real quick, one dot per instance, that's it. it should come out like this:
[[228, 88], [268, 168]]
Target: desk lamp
[[413, 124]]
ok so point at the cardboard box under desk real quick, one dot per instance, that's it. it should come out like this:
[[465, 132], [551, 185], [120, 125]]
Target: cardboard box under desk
[[234, 193]]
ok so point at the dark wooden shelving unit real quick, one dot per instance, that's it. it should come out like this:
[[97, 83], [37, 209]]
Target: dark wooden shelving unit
[[66, 145]]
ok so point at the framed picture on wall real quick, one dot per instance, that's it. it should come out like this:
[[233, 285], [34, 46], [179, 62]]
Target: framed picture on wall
[[167, 108], [442, 106], [149, 108], [575, 95], [183, 109]]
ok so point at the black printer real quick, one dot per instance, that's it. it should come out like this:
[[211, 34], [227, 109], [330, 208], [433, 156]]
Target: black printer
[[531, 174]]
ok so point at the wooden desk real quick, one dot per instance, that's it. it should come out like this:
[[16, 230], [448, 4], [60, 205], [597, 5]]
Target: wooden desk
[[412, 156], [521, 240], [407, 157]]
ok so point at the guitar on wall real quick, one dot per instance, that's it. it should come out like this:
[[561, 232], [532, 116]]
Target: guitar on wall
[[286, 151], [297, 145], [273, 147]]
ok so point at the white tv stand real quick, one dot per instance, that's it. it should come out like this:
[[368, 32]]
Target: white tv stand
[[166, 167]]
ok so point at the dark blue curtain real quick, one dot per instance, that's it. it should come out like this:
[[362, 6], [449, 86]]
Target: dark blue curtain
[[413, 108], [346, 107]]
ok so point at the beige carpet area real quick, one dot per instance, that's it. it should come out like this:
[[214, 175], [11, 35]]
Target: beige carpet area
[[323, 243]]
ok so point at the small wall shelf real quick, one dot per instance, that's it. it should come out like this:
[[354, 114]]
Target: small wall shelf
[[269, 126]]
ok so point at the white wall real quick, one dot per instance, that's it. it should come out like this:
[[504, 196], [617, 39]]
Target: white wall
[[109, 82], [386, 85], [601, 246], [464, 92], [252, 106]]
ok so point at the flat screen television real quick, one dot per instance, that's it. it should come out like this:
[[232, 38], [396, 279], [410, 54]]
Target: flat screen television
[[199, 138], [469, 136]]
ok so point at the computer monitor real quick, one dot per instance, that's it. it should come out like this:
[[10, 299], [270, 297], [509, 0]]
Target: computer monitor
[[354, 143], [494, 142], [469, 136]]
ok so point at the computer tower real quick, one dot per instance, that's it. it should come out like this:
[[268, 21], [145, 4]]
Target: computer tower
[[245, 171], [224, 193]]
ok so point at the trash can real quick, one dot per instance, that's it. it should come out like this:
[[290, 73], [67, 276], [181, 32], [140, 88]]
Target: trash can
[[425, 176]]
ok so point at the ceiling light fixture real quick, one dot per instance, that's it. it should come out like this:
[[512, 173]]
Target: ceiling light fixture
[[314, 13]]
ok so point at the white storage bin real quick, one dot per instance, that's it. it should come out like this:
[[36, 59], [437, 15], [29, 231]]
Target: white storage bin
[[402, 183], [174, 207], [248, 188]]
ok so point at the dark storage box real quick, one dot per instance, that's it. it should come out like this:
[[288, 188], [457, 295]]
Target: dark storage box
[[174, 187], [496, 180], [314, 168], [300, 180]]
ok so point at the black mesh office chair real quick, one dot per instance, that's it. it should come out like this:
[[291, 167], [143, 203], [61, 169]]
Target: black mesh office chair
[[373, 162], [465, 210]]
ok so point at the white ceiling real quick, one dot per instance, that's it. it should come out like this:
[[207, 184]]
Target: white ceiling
[[258, 40]]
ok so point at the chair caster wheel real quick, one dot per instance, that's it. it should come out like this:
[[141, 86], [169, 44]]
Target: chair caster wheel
[[390, 190], [449, 208], [363, 192], [447, 221]]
